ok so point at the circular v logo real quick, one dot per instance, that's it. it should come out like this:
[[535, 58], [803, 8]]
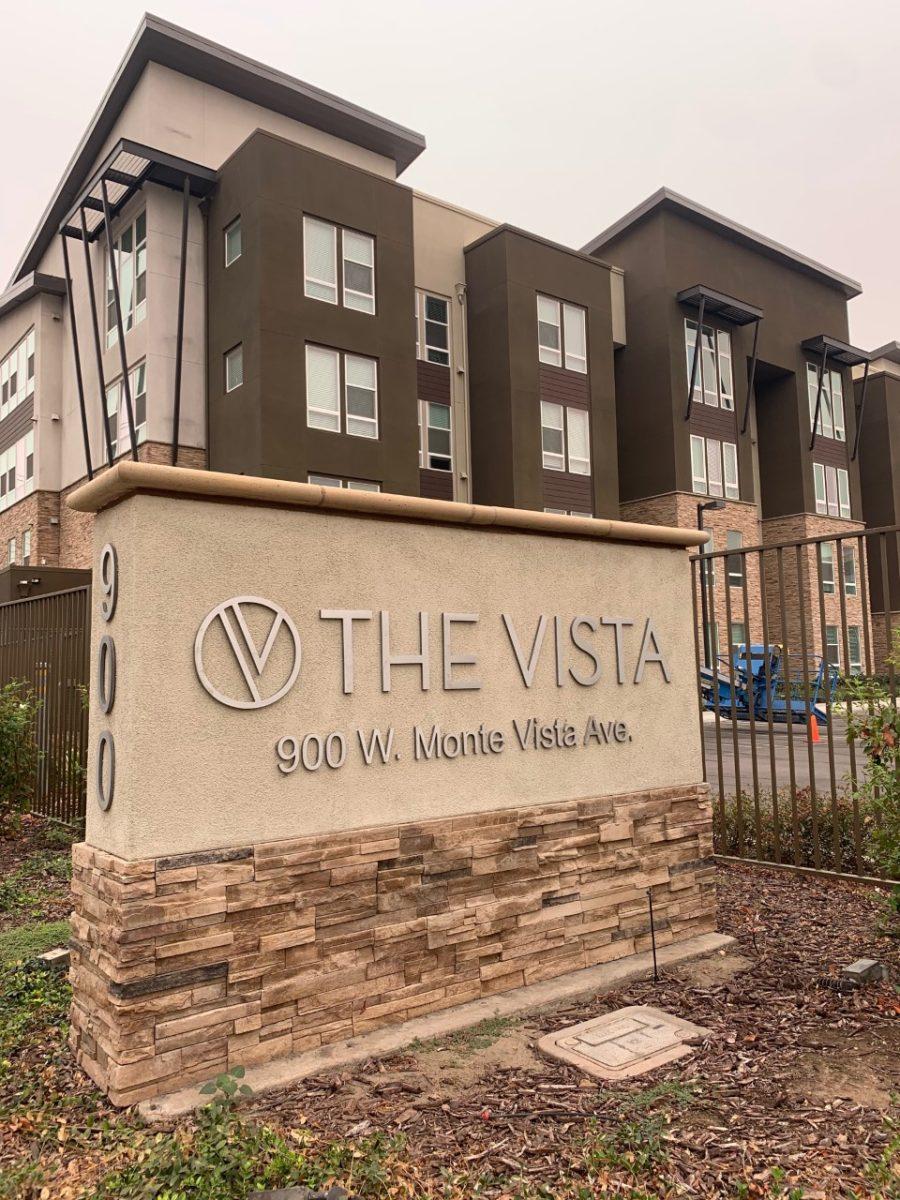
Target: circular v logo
[[251, 659]]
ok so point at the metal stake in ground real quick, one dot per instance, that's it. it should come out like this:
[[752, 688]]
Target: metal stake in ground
[[652, 934]]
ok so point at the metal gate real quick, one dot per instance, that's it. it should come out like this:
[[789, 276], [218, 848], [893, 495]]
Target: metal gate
[[45, 643], [779, 631]]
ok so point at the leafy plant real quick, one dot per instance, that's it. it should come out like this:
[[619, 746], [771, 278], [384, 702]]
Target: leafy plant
[[24, 942], [875, 725], [19, 753]]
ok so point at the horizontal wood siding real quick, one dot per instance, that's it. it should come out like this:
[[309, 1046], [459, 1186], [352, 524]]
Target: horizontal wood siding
[[830, 452], [562, 490], [713, 422], [433, 382], [17, 424], [564, 387], [436, 485]]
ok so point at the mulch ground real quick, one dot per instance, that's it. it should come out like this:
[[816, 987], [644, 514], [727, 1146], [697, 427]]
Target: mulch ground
[[796, 1077], [793, 1089], [33, 883]]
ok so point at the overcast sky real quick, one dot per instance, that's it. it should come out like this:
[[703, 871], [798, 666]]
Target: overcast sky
[[557, 117]]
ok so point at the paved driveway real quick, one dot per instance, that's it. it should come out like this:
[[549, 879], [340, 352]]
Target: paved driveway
[[780, 742]]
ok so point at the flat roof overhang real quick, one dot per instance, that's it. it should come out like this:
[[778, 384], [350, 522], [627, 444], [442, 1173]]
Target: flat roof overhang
[[835, 351], [31, 285], [125, 170], [717, 304], [189, 54]]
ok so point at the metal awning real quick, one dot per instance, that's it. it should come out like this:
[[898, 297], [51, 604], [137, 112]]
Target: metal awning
[[717, 304], [127, 167], [833, 350], [124, 171]]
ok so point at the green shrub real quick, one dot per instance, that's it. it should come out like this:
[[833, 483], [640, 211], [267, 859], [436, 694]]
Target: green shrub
[[19, 752], [832, 821]]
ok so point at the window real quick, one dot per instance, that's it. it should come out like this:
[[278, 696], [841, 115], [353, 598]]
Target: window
[[354, 485], [17, 471], [738, 634], [853, 649], [432, 328], [323, 392], [832, 489], [827, 551], [849, 559], [233, 246], [832, 646], [130, 258], [562, 334], [361, 395], [26, 548], [320, 257], [831, 407], [714, 381], [565, 438], [359, 271], [714, 467], [234, 368], [567, 512], [435, 447], [11, 552], [117, 410], [735, 562], [17, 374]]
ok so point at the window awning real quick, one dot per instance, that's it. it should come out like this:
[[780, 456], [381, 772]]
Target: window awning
[[717, 304], [127, 167], [833, 350]]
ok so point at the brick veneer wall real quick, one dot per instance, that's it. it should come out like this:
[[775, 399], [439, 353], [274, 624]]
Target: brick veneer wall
[[803, 585], [187, 965], [880, 643], [76, 528], [680, 509], [34, 513]]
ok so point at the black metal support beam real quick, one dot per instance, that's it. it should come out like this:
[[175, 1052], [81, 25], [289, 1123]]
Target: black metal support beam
[[98, 351], [860, 411], [690, 399], [92, 203], [815, 424], [751, 380], [117, 301], [179, 334], [77, 352]]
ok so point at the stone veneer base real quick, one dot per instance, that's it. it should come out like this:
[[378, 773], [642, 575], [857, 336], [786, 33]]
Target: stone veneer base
[[185, 965]]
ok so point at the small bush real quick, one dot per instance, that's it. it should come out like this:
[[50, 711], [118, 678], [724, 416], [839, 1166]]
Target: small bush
[[19, 752]]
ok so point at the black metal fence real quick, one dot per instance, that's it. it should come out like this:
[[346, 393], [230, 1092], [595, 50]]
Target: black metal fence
[[783, 634], [45, 643]]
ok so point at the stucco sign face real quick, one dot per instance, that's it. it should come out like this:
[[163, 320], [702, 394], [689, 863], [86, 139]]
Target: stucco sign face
[[264, 687]]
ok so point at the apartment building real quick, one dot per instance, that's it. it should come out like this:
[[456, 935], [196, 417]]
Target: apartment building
[[230, 275], [879, 469], [760, 420]]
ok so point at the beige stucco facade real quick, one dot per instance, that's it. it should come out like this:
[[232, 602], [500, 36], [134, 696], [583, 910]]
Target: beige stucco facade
[[192, 773]]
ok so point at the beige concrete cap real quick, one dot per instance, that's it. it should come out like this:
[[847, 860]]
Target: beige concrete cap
[[128, 478]]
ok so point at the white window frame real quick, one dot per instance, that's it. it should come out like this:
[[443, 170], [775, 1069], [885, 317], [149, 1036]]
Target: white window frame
[[19, 363], [137, 309], [843, 489], [115, 407], [854, 654], [848, 560], [361, 301], [228, 230], [235, 353], [831, 410], [565, 460], [833, 644], [353, 485], [718, 350], [735, 578], [344, 418], [316, 409], [556, 315], [820, 489], [26, 547], [426, 454], [315, 280], [742, 640], [368, 422], [828, 577], [424, 351], [721, 476]]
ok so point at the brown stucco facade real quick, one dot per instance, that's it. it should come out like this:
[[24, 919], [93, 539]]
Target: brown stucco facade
[[505, 272]]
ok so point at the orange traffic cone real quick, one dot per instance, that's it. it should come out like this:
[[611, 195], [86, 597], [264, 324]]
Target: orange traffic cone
[[813, 728]]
